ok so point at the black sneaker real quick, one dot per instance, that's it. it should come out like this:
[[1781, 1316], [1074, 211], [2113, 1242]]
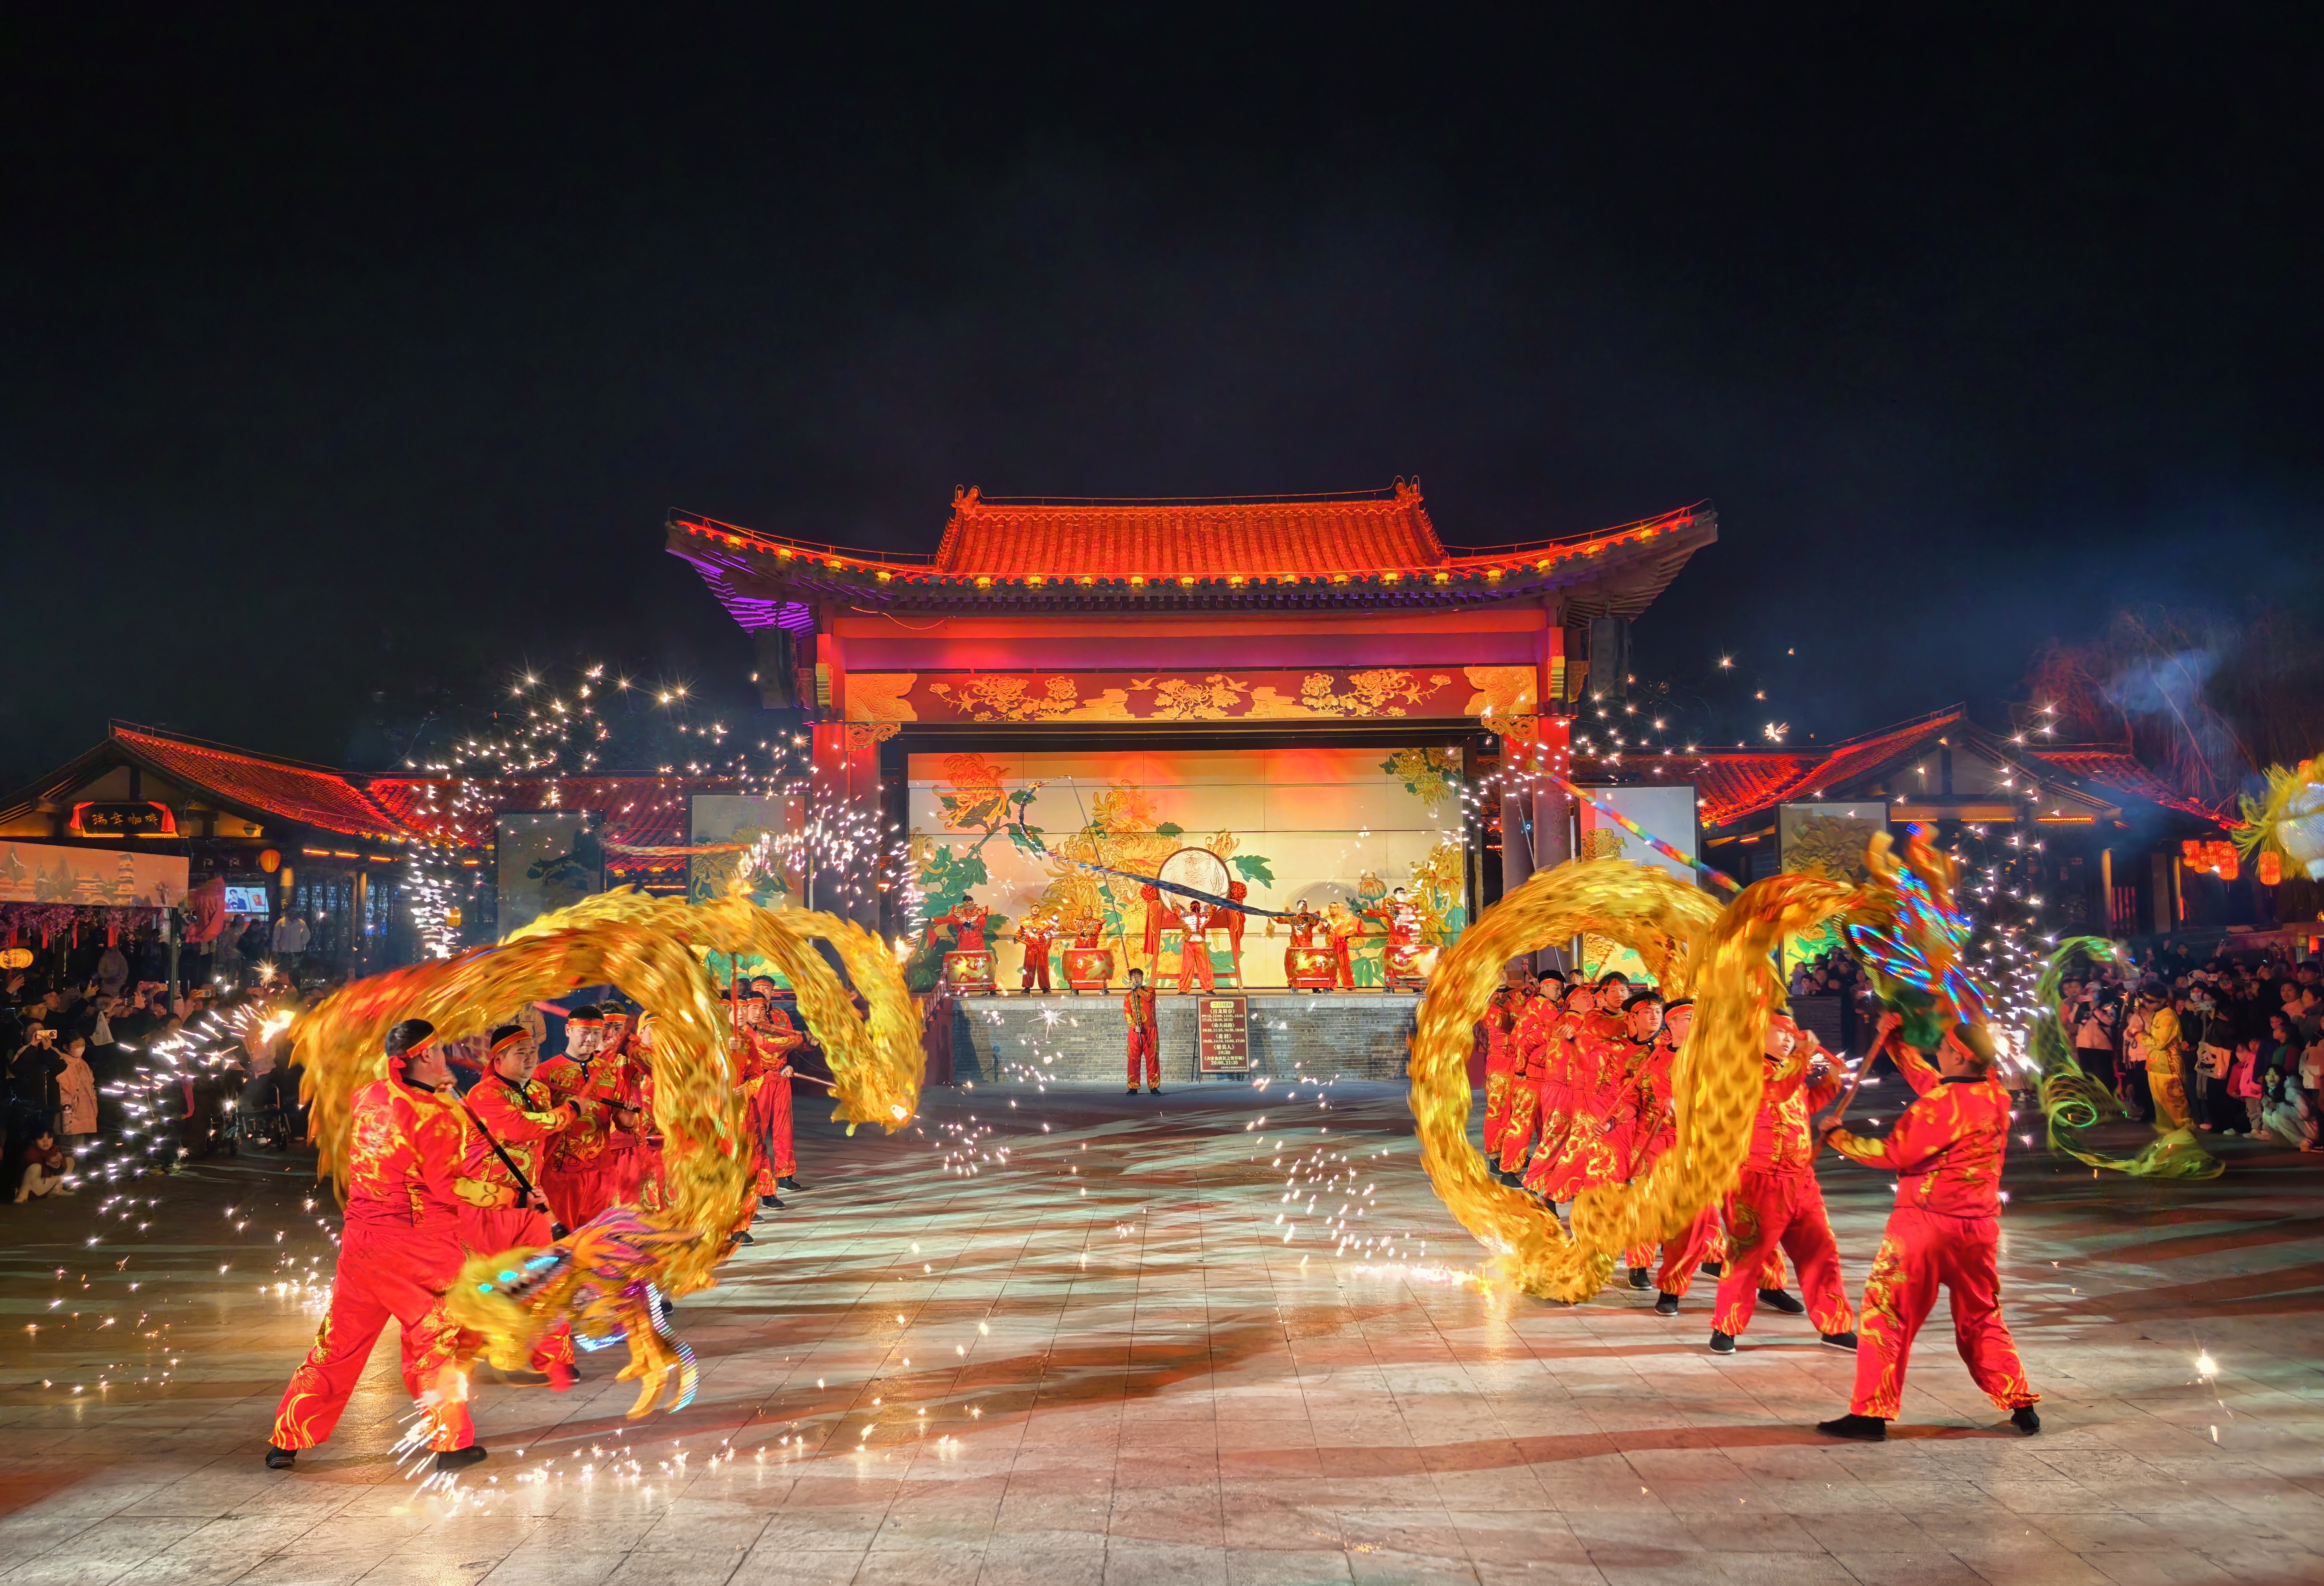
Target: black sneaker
[[1856, 1428], [1130, 1092], [771, 1202], [1153, 1090], [1721, 1343], [744, 1238], [789, 1183], [1714, 1269], [280, 1459], [1776, 1299], [1839, 1341], [458, 1458], [2023, 1417], [1667, 1305], [1638, 1278]]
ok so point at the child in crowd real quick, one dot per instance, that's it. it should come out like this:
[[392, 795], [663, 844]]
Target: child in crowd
[[44, 1169]]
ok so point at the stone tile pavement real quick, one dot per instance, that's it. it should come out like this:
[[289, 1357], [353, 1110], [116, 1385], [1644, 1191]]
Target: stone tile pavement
[[1063, 1338]]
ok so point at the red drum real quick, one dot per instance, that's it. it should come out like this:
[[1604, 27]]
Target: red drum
[[1089, 969], [969, 972], [1310, 969], [1409, 965]]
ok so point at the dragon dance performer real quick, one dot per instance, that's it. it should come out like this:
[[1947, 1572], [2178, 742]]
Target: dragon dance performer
[[400, 1250], [1501, 1015], [1343, 926], [575, 1176], [1777, 1203], [767, 1086], [502, 1208], [1145, 1034], [1584, 1133], [1036, 936], [1534, 1046], [1946, 1152]]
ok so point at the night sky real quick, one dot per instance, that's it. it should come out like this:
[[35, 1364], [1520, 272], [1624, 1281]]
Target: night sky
[[351, 363]]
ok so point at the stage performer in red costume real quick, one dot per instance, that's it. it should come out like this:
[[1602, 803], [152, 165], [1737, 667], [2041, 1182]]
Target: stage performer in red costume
[[1036, 935], [1344, 926], [1195, 952], [1534, 1047], [1946, 1152], [503, 1207], [1778, 1203], [400, 1250], [968, 918], [573, 1176], [1501, 1016], [1580, 1118], [1145, 1034]]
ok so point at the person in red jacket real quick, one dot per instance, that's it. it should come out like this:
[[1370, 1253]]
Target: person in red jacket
[[399, 1251], [574, 1176], [1501, 1015], [1036, 933], [1585, 1135], [1195, 950], [1535, 1048], [1145, 1034], [767, 1087], [1946, 1152], [502, 1208], [1777, 1203]]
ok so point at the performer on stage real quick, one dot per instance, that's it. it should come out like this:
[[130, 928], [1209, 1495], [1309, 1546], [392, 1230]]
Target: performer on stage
[[1344, 926], [573, 1176], [503, 1207], [968, 920], [1501, 1016], [1946, 1152], [1778, 1202], [1194, 951], [399, 1251], [1145, 1034], [1035, 934]]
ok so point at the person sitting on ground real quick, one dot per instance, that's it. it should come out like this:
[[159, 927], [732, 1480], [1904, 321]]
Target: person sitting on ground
[[44, 1169]]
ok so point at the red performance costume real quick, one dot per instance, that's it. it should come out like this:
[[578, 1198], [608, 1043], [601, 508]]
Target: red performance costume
[[1777, 1203], [1195, 954], [1501, 1015], [1036, 936], [1581, 1104], [494, 1215], [1535, 1042], [574, 1176], [1145, 1035], [1946, 1152], [400, 1250], [766, 1090]]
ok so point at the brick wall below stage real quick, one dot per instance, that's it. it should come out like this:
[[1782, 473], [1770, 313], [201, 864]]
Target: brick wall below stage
[[1008, 1040]]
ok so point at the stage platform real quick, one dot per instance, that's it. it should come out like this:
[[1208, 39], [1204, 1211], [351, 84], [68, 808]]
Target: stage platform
[[1016, 1040]]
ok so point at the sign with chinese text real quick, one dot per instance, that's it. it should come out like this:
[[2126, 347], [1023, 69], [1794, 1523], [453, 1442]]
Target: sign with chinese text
[[1222, 1031], [135, 819]]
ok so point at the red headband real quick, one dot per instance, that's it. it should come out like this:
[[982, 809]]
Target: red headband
[[509, 1040]]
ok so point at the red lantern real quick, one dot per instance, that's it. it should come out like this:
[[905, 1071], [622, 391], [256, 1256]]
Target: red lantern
[[2270, 869], [2191, 852]]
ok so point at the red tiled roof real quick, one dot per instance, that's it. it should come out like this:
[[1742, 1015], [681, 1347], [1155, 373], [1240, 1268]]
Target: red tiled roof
[[1303, 535], [1733, 784], [2113, 768], [1730, 786], [308, 795]]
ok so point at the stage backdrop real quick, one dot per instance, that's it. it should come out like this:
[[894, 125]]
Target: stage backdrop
[[724, 817], [544, 861], [1669, 813], [1824, 840], [41, 872], [1323, 825]]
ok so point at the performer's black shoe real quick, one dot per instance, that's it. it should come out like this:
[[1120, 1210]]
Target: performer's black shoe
[[1153, 1090], [1638, 1278], [1839, 1341], [1714, 1269], [771, 1201], [744, 1238], [1667, 1305], [1856, 1428], [2023, 1417], [789, 1183], [1721, 1343], [1776, 1299], [280, 1459], [458, 1458]]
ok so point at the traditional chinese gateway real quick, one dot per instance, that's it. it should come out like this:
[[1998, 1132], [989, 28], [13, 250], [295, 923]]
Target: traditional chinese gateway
[[1284, 698]]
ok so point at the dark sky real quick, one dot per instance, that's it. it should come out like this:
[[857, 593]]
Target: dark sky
[[351, 357]]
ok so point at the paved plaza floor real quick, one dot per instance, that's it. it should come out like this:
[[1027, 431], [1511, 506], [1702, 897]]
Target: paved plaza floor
[[1076, 1338]]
